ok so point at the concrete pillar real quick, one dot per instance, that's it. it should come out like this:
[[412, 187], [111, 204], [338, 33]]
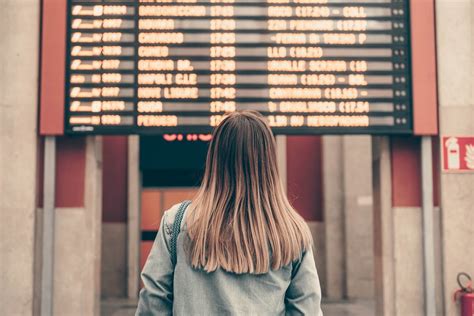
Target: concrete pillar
[[19, 42], [456, 108], [347, 174], [383, 227], [334, 217], [358, 229], [133, 221], [281, 158], [78, 241]]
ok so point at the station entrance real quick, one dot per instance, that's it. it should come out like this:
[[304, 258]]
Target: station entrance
[[171, 168]]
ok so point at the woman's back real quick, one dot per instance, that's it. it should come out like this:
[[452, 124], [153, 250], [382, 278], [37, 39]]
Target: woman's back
[[291, 290], [243, 249]]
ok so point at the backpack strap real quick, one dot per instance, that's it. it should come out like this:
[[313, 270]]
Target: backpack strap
[[176, 229]]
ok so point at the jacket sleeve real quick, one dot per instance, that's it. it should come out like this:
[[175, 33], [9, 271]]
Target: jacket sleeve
[[303, 296], [156, 296]]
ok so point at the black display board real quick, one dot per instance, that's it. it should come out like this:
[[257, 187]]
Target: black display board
[[310, 66]]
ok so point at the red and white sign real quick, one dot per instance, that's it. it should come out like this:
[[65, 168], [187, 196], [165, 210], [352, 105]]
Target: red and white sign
[[458, 153]]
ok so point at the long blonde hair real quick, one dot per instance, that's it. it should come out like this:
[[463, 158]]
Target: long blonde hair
[[241, 219]]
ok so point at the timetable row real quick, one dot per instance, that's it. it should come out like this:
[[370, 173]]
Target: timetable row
[[220, 51], [277, 120], [223, 92], [164, 79], [230, 65], [328, 107], [256, 9], [243, 24], [234, 38]]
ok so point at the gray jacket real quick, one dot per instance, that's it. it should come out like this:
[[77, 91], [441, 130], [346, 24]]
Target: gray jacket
[[291, 290]]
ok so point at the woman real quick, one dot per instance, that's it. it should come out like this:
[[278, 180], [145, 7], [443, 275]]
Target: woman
[[241, 249]]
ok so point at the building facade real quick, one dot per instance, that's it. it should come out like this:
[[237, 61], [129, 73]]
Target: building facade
[[362, 196]]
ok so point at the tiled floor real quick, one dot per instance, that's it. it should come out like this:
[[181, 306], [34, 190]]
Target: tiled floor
[[349, 308], [118, 307]]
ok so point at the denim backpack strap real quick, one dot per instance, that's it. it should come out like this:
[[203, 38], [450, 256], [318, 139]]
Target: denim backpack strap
[[176, 229]]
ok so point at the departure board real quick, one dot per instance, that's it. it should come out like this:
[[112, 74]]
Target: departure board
[[309, 66]]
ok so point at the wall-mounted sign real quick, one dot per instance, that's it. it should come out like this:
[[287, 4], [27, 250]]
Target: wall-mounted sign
[[458, 153], [178, 66]]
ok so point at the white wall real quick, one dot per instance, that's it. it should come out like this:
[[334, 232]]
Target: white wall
[[455, 45], [19, 43]]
